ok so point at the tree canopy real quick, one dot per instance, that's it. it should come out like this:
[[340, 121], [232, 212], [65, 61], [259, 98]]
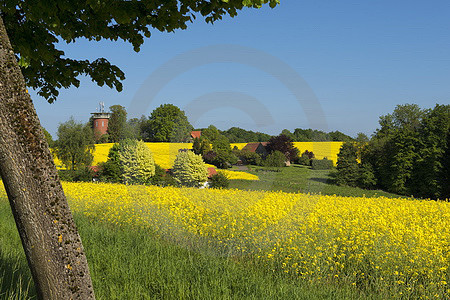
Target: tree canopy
[[314, 135], [285, 145], [239, 135], [407, 154], [189, 169], [48, 137], [117, 123], [36, 27], [74, 144], [136, 162], [167, 123]]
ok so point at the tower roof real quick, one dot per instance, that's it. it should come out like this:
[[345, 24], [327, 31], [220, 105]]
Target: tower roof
[[101, 115]]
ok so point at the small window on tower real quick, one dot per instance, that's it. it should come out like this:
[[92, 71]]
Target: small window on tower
[[96, 123], [103, 123]]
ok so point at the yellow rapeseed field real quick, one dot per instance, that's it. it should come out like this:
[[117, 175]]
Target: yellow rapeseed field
[[238, 145], [400, 245], [329, 150], [239, 175]]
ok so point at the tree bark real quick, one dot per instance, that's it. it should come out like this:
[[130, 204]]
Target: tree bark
[[49, 236]]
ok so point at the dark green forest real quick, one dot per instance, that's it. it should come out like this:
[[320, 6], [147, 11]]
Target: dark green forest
[[408, 154]]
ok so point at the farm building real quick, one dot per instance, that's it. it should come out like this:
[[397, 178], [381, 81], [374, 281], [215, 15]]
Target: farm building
[[259, 148]]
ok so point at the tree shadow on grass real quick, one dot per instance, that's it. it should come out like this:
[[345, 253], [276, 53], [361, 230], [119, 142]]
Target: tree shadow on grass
[[15, 279], [330, 179], [321, 180]]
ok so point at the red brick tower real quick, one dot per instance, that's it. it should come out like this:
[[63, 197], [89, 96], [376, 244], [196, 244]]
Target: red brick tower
[[101, 119]]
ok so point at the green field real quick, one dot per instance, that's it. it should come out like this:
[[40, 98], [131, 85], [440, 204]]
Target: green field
[[301, 179]]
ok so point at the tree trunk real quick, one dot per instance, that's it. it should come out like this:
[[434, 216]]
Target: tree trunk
[[49, 236]]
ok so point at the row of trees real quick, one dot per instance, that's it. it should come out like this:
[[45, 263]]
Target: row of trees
[[239, 135], [313, 135], [168, 123], [409, 154]]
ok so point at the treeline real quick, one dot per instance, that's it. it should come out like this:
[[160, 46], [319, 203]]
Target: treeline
[[313, 135], [408, 155], [239, 135], [168, 123]]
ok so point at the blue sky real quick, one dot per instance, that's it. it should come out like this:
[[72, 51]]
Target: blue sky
[[331, 65]]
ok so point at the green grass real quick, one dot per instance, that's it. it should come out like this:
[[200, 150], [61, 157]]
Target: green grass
[[129, 263], [298, 178], [15, 276]]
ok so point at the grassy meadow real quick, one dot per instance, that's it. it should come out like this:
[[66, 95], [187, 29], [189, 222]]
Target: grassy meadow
[[147, 242], [300, 179]]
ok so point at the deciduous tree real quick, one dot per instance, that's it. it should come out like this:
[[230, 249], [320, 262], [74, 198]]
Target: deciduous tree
[[117, 123], [167, 123], [285, 145], [75, 144]]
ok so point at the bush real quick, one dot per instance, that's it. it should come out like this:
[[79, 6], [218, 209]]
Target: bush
[[220, 158], [65, 175], [275, 159], [189, 169], [136, 161], [321, 164], [219, 180], [130, 162], [306, 158], [250, 158], [162, 178], [110, 171], [83, 174]]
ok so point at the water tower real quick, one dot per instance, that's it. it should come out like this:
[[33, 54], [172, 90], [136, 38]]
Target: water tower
[[100, 119]]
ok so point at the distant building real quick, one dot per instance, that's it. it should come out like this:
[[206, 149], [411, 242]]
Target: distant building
[[100, 121], [259, 148]]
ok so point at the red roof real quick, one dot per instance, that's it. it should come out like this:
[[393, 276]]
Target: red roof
[[253, 146], [211, 172], [196, 134], [94, 169]]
